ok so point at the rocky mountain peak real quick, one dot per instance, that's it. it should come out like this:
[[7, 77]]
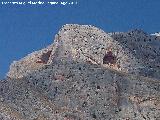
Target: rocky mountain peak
[[86, 74], [130, 51]]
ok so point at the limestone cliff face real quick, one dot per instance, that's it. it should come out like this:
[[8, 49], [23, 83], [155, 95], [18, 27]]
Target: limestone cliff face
[[131, 52], [86, 74]]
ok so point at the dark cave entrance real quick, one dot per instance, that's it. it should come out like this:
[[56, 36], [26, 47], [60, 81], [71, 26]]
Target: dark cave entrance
[[109, 58], [44, 58]]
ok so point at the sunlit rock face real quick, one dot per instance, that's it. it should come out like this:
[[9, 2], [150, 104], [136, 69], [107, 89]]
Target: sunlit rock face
[[33, 61], [134, 51], [86, 74], [84, 43], [157, 34]]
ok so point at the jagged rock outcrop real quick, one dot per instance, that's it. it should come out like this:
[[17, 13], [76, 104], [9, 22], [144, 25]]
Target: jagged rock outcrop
[[145, 48], [33, 61], [86, 74]]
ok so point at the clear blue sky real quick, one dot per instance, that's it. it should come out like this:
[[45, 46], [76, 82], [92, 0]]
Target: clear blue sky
[[26, 29]]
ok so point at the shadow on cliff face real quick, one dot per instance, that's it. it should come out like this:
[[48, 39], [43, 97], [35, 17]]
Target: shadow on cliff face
[[44, 57], [109, 58], [142, 46], [71, 86]]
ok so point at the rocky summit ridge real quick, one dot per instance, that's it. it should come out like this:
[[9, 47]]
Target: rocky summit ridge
[[86, 74]]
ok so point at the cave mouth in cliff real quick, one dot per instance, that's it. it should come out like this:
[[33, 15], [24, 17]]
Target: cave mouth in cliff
[[44, 57], [109, 58]]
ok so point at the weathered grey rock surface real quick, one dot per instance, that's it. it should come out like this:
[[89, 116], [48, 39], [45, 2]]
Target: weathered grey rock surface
[[86, 74]]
